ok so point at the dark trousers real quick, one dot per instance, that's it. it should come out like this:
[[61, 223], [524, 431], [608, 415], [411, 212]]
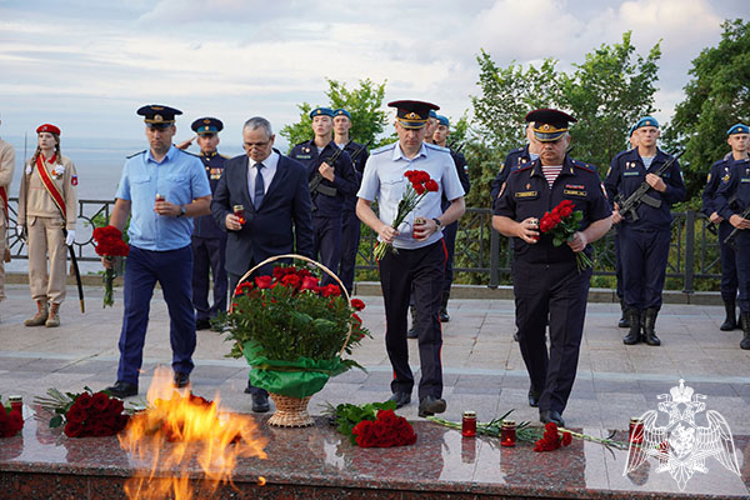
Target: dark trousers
[[350, 226], [743, 269], [173, 270], [644, 266], [209, 253], [618, 267], [560, 292], [424, 269], [449, 236], [327, 244], [728, 265]]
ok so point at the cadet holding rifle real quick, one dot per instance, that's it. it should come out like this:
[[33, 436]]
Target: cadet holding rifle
[[643, 225], [331, 178]]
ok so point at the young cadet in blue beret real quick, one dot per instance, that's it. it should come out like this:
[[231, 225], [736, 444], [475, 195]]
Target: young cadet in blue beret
[[731, 201], [209, 241], [350, 223], [161, 189], [328, 196], [644, 244], [546, 280], [518, 158], [737, 138], [420, 259]]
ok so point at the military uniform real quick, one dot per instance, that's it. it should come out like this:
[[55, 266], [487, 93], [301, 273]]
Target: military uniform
[[7, 165], [48, 211], [518, 158]]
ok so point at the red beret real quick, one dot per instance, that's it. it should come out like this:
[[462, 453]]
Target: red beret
[[48, 127]]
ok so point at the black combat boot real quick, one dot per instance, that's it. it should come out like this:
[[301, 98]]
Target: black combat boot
[[649, 325], [730, 322], [624, 320], [634, 335], [412, 333], [444, 316], [745, 322]]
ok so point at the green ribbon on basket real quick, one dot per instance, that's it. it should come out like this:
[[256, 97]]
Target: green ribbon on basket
[[300, 378]]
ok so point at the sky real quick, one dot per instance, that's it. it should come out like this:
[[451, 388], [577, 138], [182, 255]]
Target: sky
[[86, 66]]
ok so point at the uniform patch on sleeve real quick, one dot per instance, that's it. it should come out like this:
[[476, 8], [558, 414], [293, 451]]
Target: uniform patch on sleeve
[[74, 180]]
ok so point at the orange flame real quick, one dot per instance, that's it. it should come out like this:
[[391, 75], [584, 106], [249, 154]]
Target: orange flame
[[178, 430]]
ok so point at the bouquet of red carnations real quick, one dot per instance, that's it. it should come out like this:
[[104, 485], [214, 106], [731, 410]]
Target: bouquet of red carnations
[[561, 223], [109, 244], [85, 414], [11, 421], [420, 185], [553, 438]]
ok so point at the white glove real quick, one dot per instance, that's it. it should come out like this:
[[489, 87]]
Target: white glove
[[71, 238]]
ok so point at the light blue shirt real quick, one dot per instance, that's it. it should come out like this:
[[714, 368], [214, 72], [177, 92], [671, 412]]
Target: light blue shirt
[[180, 178], [384, 180]]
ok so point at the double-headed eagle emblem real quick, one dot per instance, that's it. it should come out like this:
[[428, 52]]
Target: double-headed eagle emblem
[[682, 446]]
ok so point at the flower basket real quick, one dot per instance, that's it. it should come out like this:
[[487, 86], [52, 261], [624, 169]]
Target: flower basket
[[291, 382]]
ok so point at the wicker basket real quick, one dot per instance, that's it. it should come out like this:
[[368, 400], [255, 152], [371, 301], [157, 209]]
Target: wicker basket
[[291, 411]]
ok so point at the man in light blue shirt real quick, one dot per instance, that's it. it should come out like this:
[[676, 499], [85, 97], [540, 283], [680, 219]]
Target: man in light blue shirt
[[162, 189], [421, 253]]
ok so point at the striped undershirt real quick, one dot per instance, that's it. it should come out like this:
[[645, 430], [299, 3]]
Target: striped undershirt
[[551, 173]]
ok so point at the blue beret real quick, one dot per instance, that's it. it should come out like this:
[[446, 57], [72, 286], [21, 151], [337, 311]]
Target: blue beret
[[433, 114], [443, 120], [646, 121], [158, 115], [740, 128], [207, 125], [630, 132], [340, 112], [321, 112]]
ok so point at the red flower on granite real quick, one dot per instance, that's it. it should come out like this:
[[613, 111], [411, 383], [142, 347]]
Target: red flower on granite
[[11, 422], [553, 438], [85, 414], [386, 431]]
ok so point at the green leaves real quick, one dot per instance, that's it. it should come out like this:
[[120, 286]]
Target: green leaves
[[346, 416]]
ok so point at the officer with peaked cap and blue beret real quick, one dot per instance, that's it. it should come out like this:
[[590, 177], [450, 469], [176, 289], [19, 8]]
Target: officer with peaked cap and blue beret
[[162, 189], [209, 242], [644, 244], [737, 138], [546, 279], [420, 257], [328, 194], [350, 223]]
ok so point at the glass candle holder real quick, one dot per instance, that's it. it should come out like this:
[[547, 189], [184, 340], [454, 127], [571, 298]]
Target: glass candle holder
[[508, 433], [636, 430], [16, 403], [469, 424], [418, 221], [160, 197]]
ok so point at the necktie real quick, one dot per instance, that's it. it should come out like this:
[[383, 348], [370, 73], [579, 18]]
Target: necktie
[[260, 186]]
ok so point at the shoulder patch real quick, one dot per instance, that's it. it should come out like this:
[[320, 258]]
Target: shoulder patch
[[135, 154], [584, 166], [521, 168], [381, 149]]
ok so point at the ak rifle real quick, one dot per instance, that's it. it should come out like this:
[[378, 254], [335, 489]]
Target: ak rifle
[[632, 202], [729, 240], [358, 152], [315, 185]]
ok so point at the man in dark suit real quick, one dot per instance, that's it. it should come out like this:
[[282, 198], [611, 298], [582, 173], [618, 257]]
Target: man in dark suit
[[273, 191]]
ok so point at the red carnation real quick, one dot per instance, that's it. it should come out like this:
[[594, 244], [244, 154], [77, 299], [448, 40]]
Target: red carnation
[[263, 282], [567, 438], [431, 186], [419, 188], [357, 304], [291, 280], [330, 290]]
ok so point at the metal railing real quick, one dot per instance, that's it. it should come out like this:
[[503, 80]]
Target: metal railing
[[480, 251]]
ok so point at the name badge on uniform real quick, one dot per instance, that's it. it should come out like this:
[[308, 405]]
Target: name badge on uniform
[[745, 180], [575, 192], [631, 173], [303, 157], [526, 194]]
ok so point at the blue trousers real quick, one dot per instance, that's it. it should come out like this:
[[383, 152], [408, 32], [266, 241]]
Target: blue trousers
[[728, 265], [350, 226], [173, 270], [327, 243], [449, 236], [644, 257], [209, 253]]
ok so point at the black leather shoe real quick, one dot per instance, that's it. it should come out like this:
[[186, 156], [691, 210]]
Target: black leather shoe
[[430, 405], [401, 399], [202, 324], [516, 337], [534, 399], [551, 416], [181, 380], [412, 333], [122, 389], [260, 403]]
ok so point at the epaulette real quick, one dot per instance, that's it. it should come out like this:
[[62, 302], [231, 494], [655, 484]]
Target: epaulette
[[381, 149], [583, 166], [520, 168], [517, 150], [189, 153], [301, 143], [135, 154], [225, 156], [430, 145]]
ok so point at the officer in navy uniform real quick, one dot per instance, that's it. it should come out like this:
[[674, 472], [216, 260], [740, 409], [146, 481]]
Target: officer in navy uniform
[[732, 200], [350, 223], [719, 173], [547, 281], [644, 244], [339, 180], [209, 242]]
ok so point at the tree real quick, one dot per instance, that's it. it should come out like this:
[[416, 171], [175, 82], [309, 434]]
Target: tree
[[717, 97], [364, 103]]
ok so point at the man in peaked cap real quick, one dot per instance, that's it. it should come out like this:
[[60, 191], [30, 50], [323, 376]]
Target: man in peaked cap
[[546, 280], [644, 244], [739, 140], [420, 259], [162, 189]]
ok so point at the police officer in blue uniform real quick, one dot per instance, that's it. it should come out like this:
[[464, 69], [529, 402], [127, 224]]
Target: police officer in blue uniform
[[644, 244], [737, 138], [732, 201], [547, 281], [209, 241], [328, 194], [161, 189], [350, 223]]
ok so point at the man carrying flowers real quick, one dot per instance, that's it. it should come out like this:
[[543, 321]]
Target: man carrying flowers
[[411, 249], [548, 280]]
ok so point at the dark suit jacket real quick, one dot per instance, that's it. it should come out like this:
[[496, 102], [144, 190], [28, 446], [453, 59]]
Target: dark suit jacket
[[282, 224]]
